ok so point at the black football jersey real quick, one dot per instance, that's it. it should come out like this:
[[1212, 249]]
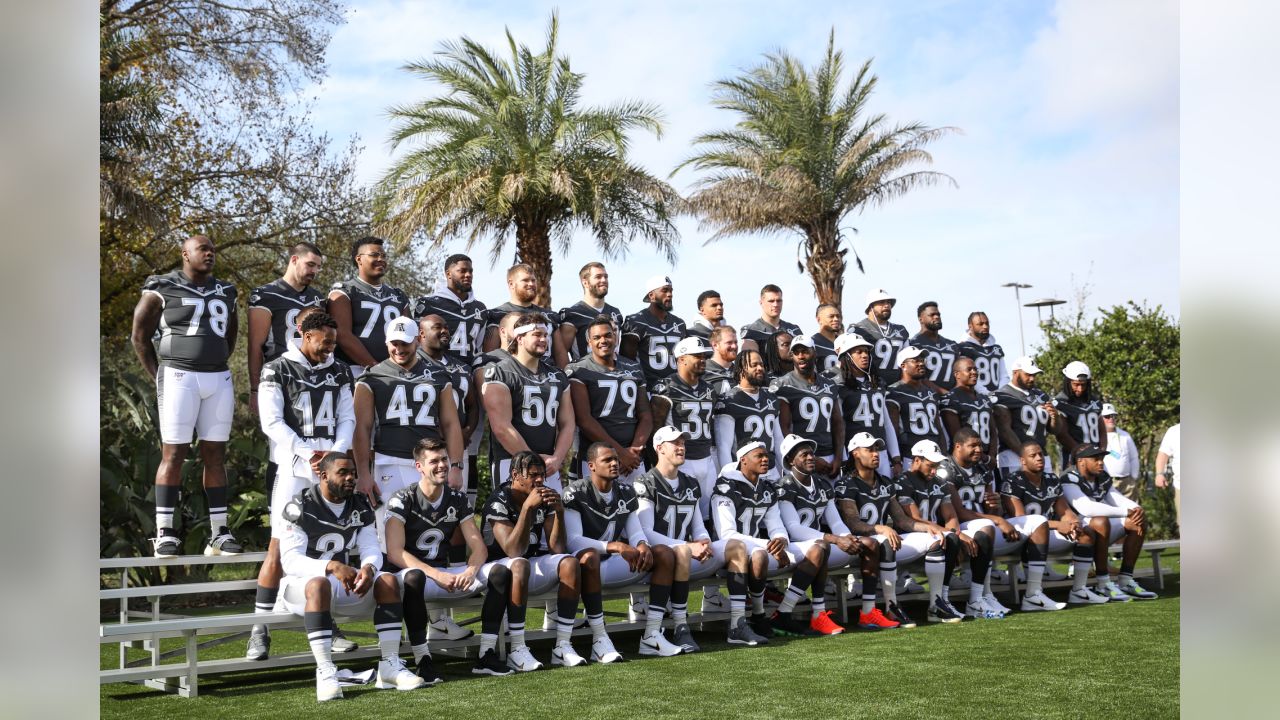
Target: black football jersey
[[580, 316], [407, 404], [885, 347], [1081, 417], [973, 409], [939, 359], [812, 404], [603, 520], [673, 508], [988, 360], [873, 502], [824, 353], [535, 403], [760, 331], [1036, 500], [493, 317], [810, 502], [754, 418], [613, 394], [720, 378], [372, 307], [459, 372], [284, 303], [655, 342], [1097, 490], [697, 329], [691, 409], [971, 484], [193, 321], [865, 409], [312, 395], [328, 535], [917, 413], [502, 507], [427, 529], [750, 502], [465, 319], [928, 494], [1028, 419]]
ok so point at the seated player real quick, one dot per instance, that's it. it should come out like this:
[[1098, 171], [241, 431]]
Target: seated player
[[1035, 491], [668, 510], [325, 522], [599, 513], [420, 520], [1112, 517]]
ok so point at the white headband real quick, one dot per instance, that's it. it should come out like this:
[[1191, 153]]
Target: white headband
[[525, 329]]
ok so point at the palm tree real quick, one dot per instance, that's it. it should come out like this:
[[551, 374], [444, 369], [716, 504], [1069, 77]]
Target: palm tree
[[802, 157], [507, 148]]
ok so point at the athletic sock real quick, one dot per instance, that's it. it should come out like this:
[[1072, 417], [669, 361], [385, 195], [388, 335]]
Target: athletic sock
[[414, 608], [819, 603], [566, 612], [755, 590], [680, 601], [264, 601], [1103, 582], [1081, 560], [1036, 556], [888, 583], [800, 582], [737, 584], [497, 591], [419, 652], [935, 568], [515, 624], [319, 627], [980, 567], [217, 497], [386, 621], [658, 596], [166, 502], [593, 602]]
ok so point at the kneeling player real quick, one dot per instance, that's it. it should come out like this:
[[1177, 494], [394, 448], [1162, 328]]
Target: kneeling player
[[325, 521], [420, 520], [599, 513]]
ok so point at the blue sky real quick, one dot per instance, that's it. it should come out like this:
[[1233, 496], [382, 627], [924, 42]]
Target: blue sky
[[1067, 163]]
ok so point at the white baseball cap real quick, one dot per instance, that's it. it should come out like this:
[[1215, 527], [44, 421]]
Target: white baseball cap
[[928, 450], [654, 283], [908, 352], [742, 451], [1025, 364], [848, 341], [793, 441], [404, 329], [667, 434], [878, 295], [1108, 409], [801, 340], [865, 440], [692, 345], [1075, 369]]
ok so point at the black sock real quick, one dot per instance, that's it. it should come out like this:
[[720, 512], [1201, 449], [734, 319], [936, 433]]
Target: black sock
[[737, 584], [1036, 552], [802, 578], [516, 615], [567, 608], [680, 592], [166, 505], [659, 594], [269, 480], [217, 497], [593, 603], [755, 584], [980, 563], [264, 598], [415, 608], [497, 592]]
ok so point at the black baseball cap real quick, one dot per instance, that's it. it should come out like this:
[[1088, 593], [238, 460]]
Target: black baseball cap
[[1088, 450]]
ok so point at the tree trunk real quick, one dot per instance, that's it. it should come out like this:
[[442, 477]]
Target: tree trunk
[[533, 246], [826, 267]]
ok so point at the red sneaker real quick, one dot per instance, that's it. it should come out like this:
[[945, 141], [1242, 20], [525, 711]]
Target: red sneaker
[[875, 620], [823, 623]]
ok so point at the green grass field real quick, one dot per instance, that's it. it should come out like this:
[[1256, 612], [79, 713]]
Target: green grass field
[[1100, 661]]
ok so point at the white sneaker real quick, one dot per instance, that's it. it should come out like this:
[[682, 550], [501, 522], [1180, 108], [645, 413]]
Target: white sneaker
[[393, 674], [1086, 596], [657, 645], [991, 602], [564, 654], [327, 687], [1040, 601], [982, 611], [602, 651], [521, 660], [638, 608], [718, 603], [444, 628]]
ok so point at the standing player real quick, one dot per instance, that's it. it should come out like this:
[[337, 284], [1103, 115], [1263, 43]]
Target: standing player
[[830, 327], [577, 318], [1023, 413], [609, 402], [986, 353], [886, 338], [864, 401], [325, 522], [710, 315], [363, 305], [602, 515], [913, 406], [649, 337], [195, 314], [305, 404], [522, 285], [724, 350], [685, 401], [456, 304], [965, 406], [809, 407], [1081, 412], [528, 403], [754, 334], [433, 343], [747, 412], [940, 353]]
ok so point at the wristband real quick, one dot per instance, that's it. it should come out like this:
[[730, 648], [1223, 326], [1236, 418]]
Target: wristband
[[457, 465]]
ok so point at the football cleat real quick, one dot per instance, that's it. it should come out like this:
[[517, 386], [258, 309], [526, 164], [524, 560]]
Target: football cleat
[[1086, 596], [1136, 591], [740, 633], [444, 628], [657, 645], [340, 642], [980, 611], [166, 544], [521, 660], [717, 603], [942, 611], [327, 686], [222, 543], [875, 620], [1114, 593], [259, 644], [822, 624], [564, 654], [602, 651], [489, 664], [430, 676], [896, 614], [393, 674], [787, 624], [1039, 602], [683, 637]]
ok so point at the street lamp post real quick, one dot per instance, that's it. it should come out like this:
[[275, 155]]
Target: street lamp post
[[1017, 295]]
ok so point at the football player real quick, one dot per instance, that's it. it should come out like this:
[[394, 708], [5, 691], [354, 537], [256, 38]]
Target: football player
[[576, 319], [770, 322], [610, 404], [306, 410], [1081, 412], [830, 327], [1113, 518], [601, 514], [808, 405], [433, 346], [1035, 491], [986, 353], [1023, 413], [886, 338], [724, 350], [363, 305], [863, 400], [649, 337], [522, 285], [710, 315], [194, 315], [544, 422], [913, 405], [964, 405], [324, 523], [808, 508], [777, 354], [457, 305], [940, 353], [685, 401], [668, 507], [746, 412]]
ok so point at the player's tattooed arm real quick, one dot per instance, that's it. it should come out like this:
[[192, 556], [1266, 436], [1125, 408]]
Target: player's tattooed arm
[[849, 513], [146, 318]]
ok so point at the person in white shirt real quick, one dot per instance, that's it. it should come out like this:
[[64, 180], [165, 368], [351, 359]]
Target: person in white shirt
[[1121, 461], [1167, 466]]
